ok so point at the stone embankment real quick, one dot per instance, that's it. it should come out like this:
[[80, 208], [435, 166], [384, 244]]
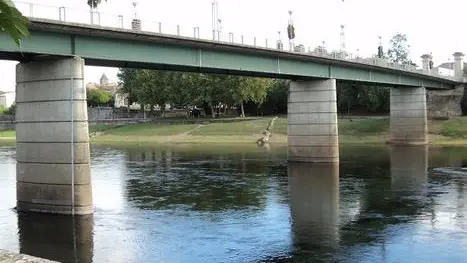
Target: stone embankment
[[9, 257]]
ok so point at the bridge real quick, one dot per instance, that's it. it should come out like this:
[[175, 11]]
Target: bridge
[[53, 172]]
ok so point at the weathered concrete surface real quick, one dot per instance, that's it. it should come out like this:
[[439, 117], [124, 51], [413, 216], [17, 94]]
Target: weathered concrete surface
[[312, 121], [10, 257], [408, 116], [445, 103], [314, 202], [51, 105]]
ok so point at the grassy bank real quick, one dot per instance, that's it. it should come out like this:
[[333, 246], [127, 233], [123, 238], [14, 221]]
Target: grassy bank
[[351, 131]]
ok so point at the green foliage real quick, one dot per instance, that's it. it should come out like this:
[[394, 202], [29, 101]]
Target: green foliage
[[184, 90], [127, 77], [13, 22], [276, 98], [363, 126], [94, 3], [464, 102], [12, 110], [398, 51], [352, 97], [97, 97], [454, 128], [3, 109], [153, 87]]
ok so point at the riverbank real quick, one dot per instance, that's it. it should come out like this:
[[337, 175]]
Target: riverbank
[[10, 257], [244, 131]]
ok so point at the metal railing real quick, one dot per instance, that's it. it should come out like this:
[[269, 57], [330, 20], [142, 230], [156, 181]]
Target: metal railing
[[96, 18]]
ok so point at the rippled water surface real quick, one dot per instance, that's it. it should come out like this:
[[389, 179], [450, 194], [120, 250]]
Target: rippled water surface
[[233, 204]]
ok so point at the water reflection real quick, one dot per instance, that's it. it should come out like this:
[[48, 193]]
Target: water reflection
[[200, 185], [59, 238], [314, 204], [192, 205], [409, 166]]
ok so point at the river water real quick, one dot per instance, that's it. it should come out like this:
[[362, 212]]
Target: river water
[[245, 204]]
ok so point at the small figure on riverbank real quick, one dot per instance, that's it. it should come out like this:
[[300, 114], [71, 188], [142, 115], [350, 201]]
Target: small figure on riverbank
[[266, 134]]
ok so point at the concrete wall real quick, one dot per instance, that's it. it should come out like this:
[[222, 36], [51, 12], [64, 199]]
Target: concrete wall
[[53, 173], [312, 121], [107, 113], [445, 103]]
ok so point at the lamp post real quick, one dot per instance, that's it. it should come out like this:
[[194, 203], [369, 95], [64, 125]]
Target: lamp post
[[291, 32], [135, 23]]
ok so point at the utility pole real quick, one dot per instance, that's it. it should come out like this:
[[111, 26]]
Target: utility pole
[[215, 19], [380, 48], [135, 23], [342, 29]]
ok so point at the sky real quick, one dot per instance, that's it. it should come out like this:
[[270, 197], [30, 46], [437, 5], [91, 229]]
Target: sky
[[431, 26]]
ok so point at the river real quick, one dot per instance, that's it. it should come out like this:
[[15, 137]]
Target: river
[[245, 204]]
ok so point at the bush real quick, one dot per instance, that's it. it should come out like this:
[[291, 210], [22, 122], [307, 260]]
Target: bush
[[12, 110], [96, 97], [464, 102], [3, 109]]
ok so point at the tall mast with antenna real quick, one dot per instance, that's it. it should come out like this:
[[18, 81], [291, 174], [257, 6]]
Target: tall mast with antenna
[[215, 18], [342, 28]]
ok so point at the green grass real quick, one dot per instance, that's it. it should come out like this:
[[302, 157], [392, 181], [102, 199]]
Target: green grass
[[253, 127], [359, 127], [8, 134], [456, 128], [147, 129], [235, 130]]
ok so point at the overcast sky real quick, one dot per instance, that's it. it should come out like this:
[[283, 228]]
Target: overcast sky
[[431, 26]]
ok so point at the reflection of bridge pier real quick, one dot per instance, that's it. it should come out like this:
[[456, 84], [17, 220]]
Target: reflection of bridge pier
[[56, 237], [314, 201], [409, 166]]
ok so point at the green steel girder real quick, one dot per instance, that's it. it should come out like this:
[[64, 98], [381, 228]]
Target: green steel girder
[[126, 48]]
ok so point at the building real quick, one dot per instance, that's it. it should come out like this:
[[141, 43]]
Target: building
[[111, 87], [7, 98], [446, 68]]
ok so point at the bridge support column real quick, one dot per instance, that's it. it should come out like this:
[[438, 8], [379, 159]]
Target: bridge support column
[[312, 117], [408, 120], [52, 138]]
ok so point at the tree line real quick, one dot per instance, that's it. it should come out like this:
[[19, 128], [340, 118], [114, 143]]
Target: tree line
[[252, 96], [216, 94]]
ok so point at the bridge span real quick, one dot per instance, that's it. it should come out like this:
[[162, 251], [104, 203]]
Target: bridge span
[[52, 127]]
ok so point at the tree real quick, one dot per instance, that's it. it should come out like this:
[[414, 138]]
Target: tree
[[127, 77], [13, 22], [12, 110], [251, 89], [97, 97], [276, 98], [399, 49], [94, 3], [153, 88], [3, 109]]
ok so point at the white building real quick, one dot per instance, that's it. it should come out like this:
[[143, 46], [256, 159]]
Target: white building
[[446, 69], [7, 98]]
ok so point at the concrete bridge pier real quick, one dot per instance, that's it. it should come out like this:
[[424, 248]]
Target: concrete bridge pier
[[312, 122], [408, 116], [52, 138]]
